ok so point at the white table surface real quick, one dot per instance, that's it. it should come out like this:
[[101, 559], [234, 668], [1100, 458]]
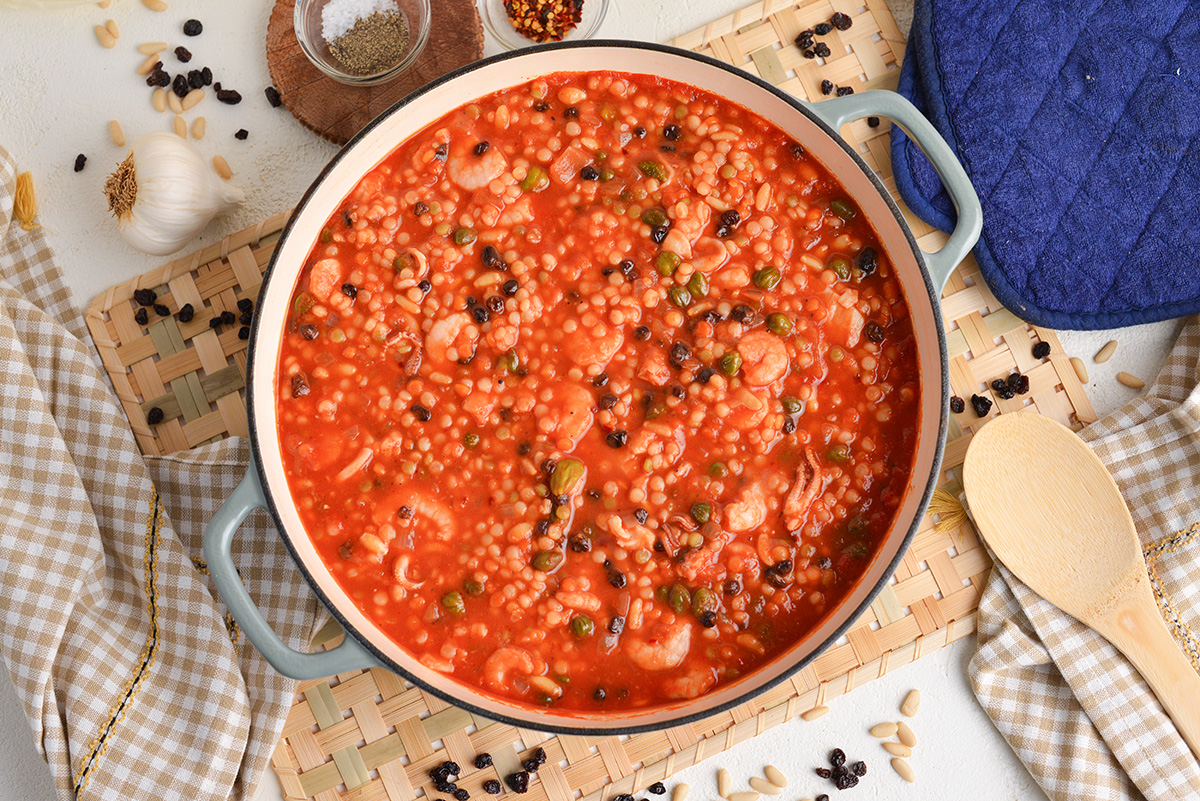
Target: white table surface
[[61, 89]]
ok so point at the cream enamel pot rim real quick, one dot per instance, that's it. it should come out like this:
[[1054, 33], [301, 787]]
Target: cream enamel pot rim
[[921, 274]]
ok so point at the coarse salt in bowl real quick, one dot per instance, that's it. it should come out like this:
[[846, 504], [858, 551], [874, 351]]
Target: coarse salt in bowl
[[362, 42]]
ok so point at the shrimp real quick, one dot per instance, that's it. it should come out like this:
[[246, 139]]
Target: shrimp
[[473, 172], [746, 410], [654, 368], [439, 520], [594, 345], [324, 279], [629, 535], [569, 414], [583, 601], [695, 681], [663, 648], [400, 572], [700, 565], [749, 511], [804, 491], [451, 338], [508, 668], [764, 358], [709, 255]]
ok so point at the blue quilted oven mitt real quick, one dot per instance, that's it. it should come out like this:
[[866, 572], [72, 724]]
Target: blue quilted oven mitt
[[1078, 125]]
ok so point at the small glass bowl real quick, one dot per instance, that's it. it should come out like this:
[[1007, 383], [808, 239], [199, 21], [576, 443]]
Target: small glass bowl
[[495, 18], [312, 42]]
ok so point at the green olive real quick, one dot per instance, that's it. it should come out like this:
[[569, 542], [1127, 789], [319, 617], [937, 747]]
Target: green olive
[[464, 236], [452, 602], [791, 405], [701, 512], [731, 363], [679, 597], [654, 217], [546, 561], [582, 626], [779, 324], [698, 285], [843, 209], [680, 296], [767, 278], [667, 263], [841, 266], [566, 476]]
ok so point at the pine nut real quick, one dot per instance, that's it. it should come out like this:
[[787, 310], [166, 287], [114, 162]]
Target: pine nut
[[1080, 369], [151, 48], [681, 792], [912, 701], [118, 136], [764, 786], [104, 3], [1106, 352], [106, 39], [724, 783], [192, 98], [1131, 381], [815, 712], [148, 65], [776, 776], [111, 25], [160, 99], [906, 734], [223, 170], [904, 769], [746, 796], [180, 127], [155, 5], [174, 103], [198, 128], [882, 730], [897, 749]]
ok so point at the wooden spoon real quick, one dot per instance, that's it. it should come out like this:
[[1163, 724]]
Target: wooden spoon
[[1049, 509]]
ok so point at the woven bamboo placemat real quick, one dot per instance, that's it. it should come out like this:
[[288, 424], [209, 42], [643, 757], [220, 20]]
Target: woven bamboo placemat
[[367, 734]]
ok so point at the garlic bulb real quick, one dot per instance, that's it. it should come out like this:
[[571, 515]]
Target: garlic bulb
[[164, 193]]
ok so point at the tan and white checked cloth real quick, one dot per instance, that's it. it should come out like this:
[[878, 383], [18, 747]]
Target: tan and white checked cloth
[[136, 683], [1074, 710]]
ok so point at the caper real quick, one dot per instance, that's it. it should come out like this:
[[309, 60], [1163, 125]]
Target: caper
[[656, 410], [302, 303], [326, 236], [402, 262], [607, 175], [731, 363], [766, 278], [838, 453], [680, 296], [843, 209], [841, 266], [836, 354], [703, 600], [679, 597], [653, 217], [582, 626], [535, 180], [698, 285], [567, 474], [511, 362], [452, 602], [546, 561], [473, 587], [779, 324], [701, 512], [718, 470], [791, 405], [667, 263], [470, 439], [464, 236]]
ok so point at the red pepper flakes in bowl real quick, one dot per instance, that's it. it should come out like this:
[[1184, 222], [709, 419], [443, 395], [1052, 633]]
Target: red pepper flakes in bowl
[[544, 20]]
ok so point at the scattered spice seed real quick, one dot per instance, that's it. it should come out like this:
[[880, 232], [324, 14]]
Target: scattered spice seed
[[140, 317], [1131, 381], [815, 712], [911, 703], [882, 730], [904, 770], [1080, 369], [242, 134], [775, 776], [897, 749], [273, 96], [80, 160], [193, 27], [1041, 350], [763, 786], [1106, 352], [154, 416], [981, 405]]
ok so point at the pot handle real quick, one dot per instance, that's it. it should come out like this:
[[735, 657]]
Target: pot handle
[[218, 542], [838, 111]]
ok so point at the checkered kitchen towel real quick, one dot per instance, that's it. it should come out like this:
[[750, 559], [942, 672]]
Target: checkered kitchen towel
[[135, 681], [1075, 711]]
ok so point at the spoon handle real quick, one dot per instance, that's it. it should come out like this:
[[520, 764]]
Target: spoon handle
[[1135, 626]]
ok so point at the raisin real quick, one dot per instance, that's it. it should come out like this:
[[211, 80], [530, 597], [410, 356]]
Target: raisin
[[161, 310], [705, 374], [874, 331], [868, 261], [679, 353], [195, 79], [510, 287], [539, 756], [230, 96], [1003, 390], [804, 39], [981, 405], [665, 149], [492, 786], [350, 291], [600, 380], [823, 797], [827, 87], [859, 768], [242, 134], [641, 333], [1022, 385], [541, 106], [145, 297], [822, 28], [183, 54], [842, 91], [841, 21], [404, 512], [724, 231], [483, 760], [424, 285], [617, 439], [845, 780], [481, 314], [421, 413], [623, 797], [658, 233], [616, 579], [452, 768], [245, 305], [186, 313], [579, 542], [495, 304], [193, 27], [419, 208], [708, 619], [215, 323], [641, 515], [589, 173], [873, 122], [837, 757], [460, 794], [672, 133], [228, 318], [789, 426], [732, 587], [80, 160], [824, 563], [1041, 350], [299, 386], [957, 405], [273, 96], [519, 781], [243, 332], [206, 74], [658, 788], [741, 314], [731, 217], [570, 112], [140, 317], [180, 85], [639, 132], [154, 416], [607, 400], [616, 625], [824, 773], [809, 54], [492, 259]]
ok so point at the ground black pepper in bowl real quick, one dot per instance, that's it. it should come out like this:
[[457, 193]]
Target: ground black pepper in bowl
[[373, 44]]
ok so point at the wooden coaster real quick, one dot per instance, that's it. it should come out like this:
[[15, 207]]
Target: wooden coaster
[[335, 111]]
